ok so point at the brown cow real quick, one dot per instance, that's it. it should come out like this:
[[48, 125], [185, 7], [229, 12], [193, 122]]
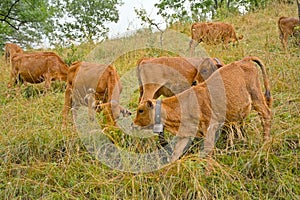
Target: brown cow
[[171, 75], [286, 26], [212, 33], [226, 96], [96, 86], [10, 50], [38, 67]]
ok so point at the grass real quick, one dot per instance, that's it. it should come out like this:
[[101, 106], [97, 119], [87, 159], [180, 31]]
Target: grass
[[41, 160]]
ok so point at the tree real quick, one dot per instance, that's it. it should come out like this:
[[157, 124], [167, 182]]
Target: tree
[[23, 21], [85, 20], [200, 10], [28, 22], [142, 14]]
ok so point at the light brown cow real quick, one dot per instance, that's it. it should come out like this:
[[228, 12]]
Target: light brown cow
[[226, 96], [94, 85], [212, 33], [38, 67], [286, 26], [171, 75], [10, 50]]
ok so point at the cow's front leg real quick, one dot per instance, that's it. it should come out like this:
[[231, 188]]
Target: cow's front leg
[[12, 78], [48, 79], [181, 146], [210, 139]]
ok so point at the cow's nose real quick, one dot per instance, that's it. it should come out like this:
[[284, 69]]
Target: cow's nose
[[133, 126], [126, 113]]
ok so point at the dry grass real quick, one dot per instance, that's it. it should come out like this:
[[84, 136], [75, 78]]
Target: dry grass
[[41, 160]]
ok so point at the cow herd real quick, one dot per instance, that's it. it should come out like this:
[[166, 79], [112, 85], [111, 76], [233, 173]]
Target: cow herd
[[201, 94]]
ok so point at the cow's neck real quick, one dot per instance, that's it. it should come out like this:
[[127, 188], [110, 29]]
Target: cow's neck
[[172, 109], [171, 114]]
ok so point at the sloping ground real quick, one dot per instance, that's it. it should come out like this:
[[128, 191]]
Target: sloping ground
[[41, 160]]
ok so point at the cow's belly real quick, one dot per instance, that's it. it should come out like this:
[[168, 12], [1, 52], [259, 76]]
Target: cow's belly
[[239, 109], [31, 78]]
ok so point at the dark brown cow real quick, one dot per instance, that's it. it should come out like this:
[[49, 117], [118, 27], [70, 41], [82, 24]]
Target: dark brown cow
[[10, 50], [226, 96], [212, 33], [171, 75], [38, 67], [286, 26], [96, 86]]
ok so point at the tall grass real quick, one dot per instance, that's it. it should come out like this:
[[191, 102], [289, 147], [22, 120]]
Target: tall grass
[[42, 160]]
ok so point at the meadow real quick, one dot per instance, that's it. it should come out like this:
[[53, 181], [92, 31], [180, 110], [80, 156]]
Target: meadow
[[39, 159]]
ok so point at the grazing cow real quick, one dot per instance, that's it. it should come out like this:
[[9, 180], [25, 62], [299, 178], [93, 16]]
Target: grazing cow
[[226, 96], [286, 26], [10, 50], [96, 86], [212, 33], [38, 67], [171, 75]]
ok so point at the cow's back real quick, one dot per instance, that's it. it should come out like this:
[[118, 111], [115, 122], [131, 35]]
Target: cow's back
[[87, 77], [166, 70], [165, 65]]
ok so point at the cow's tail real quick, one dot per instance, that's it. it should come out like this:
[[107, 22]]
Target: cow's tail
[[268, 97]]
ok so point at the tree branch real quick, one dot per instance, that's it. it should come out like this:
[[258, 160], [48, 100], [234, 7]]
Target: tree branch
[[7, 17], [10, 9]]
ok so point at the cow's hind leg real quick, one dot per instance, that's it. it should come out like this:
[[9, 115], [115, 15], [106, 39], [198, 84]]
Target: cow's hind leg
[[265, 115], [260, 105]]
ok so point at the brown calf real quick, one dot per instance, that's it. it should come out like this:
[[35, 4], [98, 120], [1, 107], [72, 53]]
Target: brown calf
[[226, 96], [286, 26], [38, 67], [171, 75], [96, 86], [212, 33]]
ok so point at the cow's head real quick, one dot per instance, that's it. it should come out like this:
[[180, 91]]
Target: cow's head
[[206, 68], [145, 115]]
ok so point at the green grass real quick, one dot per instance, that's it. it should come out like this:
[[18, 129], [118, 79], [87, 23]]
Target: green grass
[[41, 160]]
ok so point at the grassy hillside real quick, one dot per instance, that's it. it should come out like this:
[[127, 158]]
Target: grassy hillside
[[41, 160]]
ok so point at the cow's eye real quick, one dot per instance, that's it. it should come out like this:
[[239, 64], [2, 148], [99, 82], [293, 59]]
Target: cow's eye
[[140, 111]]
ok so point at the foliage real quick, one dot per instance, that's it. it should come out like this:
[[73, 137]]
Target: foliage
[[24, 22], [29, 22], [84, 21], [200, 10], [142, 14]]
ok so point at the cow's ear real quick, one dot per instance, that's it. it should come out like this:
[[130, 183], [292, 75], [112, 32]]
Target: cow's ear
[[149, 104], [218, 63]]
